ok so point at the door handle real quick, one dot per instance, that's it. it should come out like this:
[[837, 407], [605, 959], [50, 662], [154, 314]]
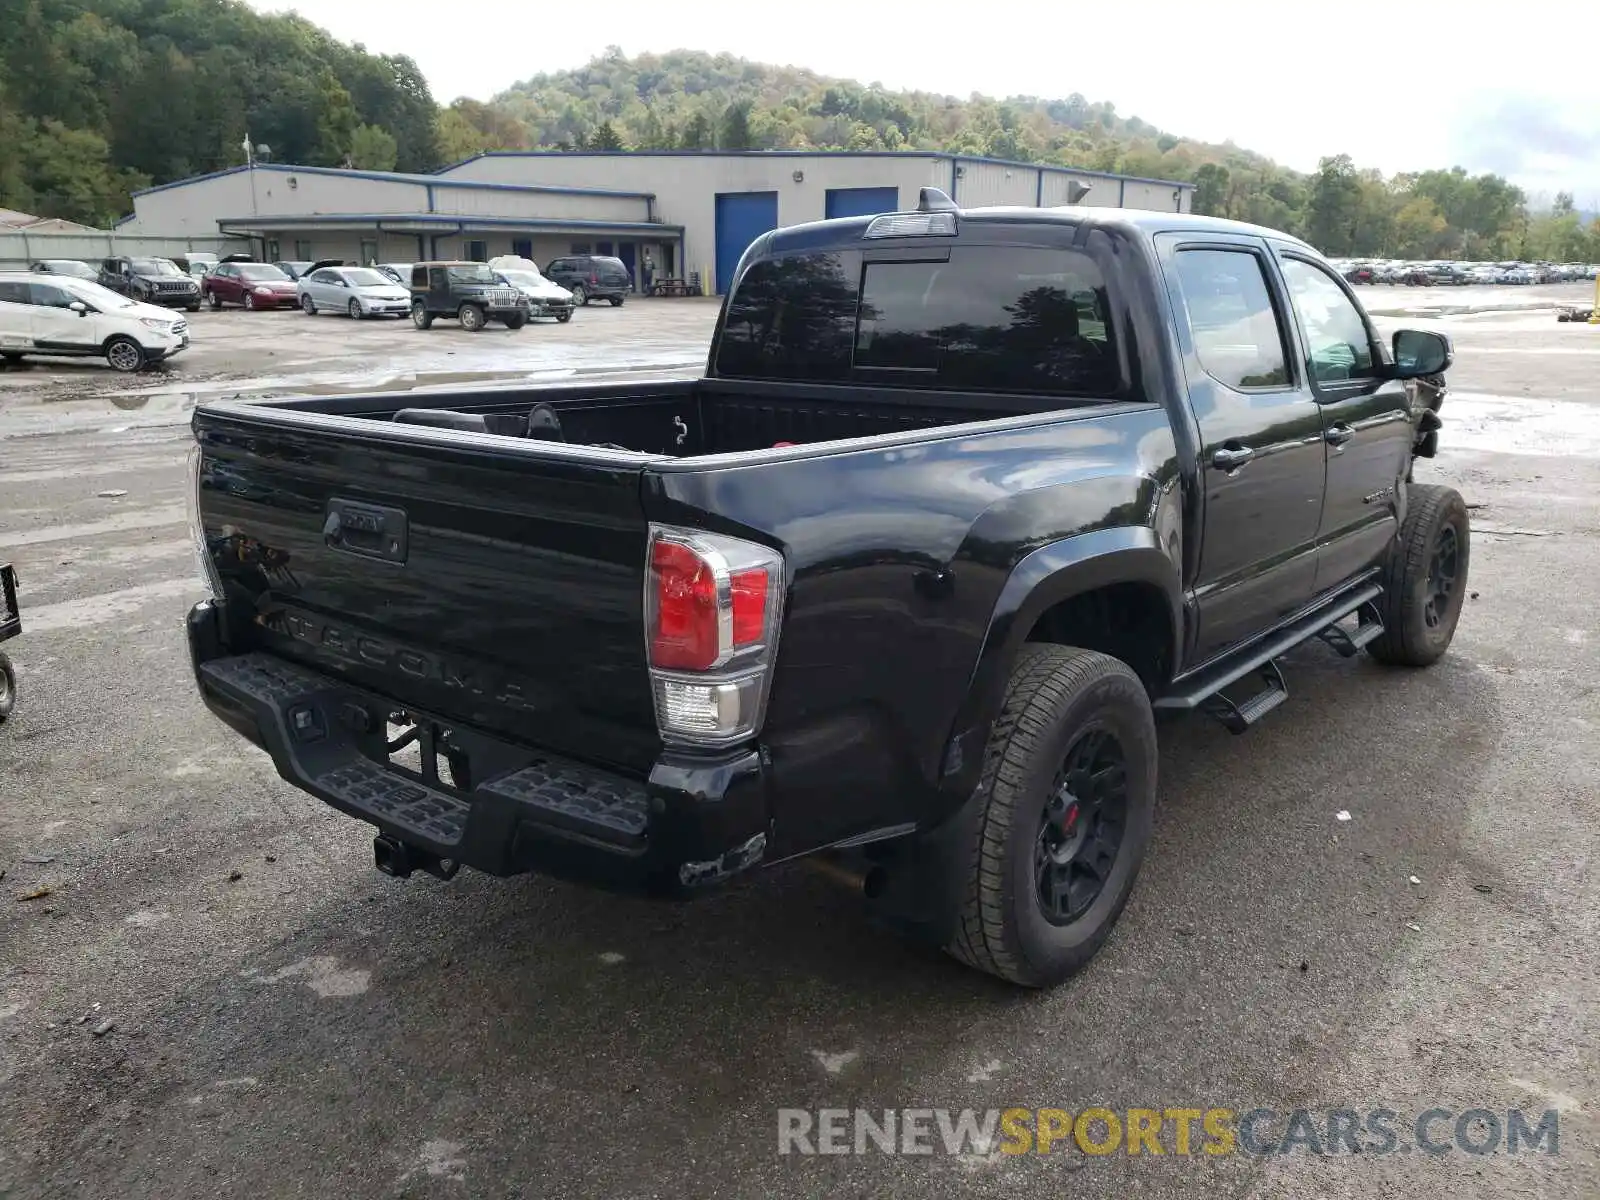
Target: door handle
[[1231, 458], [1338, 435]]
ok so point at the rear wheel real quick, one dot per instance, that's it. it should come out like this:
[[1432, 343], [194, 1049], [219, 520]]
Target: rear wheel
[[308, 305], [355, 310], [1425, 579], [472, 318], [1069, 792], [616, 302], [420, 316], [124, 354], [580, 294], [8, 688]]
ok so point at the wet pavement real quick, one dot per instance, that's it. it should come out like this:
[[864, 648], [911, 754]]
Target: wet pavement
[[219, 996]]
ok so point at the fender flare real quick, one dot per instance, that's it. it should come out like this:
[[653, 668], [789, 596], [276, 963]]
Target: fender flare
[[1042, 579]]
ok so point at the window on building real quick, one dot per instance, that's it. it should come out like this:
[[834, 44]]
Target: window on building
[[369, 252], [274, 251], [1237, 336], [302, 252], [522, 247], [477, 251]]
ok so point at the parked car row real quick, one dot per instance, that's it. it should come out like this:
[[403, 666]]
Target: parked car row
[[1446, 273]]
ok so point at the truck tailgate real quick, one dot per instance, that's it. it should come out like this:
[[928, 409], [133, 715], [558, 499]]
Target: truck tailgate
[[494, 582]]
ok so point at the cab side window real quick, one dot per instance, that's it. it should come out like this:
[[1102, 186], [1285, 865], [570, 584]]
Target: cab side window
[[14, 293], [439, 278], [48, 295], [1237, 335], [1336, 333]]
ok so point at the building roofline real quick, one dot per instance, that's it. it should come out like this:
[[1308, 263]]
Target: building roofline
[[935, 155], [465, 221], [396, 177]]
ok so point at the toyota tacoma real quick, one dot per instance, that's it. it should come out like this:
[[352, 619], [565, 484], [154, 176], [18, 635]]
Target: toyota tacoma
[[961, 502]]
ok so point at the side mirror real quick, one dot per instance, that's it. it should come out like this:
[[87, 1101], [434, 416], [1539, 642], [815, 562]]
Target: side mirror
[[79, 307], [1418, 352]]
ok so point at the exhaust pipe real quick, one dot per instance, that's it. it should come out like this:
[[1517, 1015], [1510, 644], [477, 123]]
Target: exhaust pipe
[[868, 880]]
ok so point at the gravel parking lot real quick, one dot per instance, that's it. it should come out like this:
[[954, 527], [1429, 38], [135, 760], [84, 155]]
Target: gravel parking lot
[[214, 993]]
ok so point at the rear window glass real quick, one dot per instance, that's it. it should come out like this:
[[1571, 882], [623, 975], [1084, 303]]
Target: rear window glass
[[997, 318]]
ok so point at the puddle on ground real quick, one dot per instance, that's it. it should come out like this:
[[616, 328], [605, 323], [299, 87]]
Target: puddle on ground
[[1519, 425]]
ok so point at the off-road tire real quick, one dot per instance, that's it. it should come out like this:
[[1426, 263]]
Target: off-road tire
[[1409, 638], [420, 316], [472, 318], [616, 301], [8, 688], [1056, 694]]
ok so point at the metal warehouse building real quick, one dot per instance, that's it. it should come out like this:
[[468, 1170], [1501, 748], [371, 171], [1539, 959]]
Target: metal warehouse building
[[693, 211]]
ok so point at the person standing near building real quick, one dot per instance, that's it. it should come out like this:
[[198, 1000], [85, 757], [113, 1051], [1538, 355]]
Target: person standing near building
[[647, 271]]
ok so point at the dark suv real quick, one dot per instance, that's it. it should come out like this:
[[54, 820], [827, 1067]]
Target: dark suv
[[153, 280], [465, 291], [591, 277]]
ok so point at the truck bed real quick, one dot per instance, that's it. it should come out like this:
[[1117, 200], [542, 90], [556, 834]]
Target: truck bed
[[679, 419]]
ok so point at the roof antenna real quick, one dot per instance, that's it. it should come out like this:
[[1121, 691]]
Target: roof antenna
[[931, 199]]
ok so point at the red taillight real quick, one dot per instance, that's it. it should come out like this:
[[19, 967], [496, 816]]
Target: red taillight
[[713, 606], [749, 606], [691, 629], [594, 278], [685, 636]]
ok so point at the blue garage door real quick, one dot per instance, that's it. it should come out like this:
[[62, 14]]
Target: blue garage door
[[861, 202], [742, 217]]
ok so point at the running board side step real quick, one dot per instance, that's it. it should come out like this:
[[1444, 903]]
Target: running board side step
[[1204, 689]]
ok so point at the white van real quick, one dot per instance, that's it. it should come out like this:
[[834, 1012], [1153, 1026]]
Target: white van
[[64, 316]]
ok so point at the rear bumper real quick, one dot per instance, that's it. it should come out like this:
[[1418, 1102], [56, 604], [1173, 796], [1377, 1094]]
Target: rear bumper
[[691, 824]]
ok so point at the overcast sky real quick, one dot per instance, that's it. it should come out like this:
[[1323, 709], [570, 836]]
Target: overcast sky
[[1397, 84]]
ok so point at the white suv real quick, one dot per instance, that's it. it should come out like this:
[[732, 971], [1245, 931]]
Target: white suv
[[64, 316]]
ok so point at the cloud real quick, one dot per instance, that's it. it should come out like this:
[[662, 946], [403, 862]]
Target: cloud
[[1530, 140]]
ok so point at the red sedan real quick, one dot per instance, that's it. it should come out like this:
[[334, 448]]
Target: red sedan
[[254, 285]]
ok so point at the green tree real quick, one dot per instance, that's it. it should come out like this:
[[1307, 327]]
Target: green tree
[[1210, 189], [697, 133], [373, 149], [735, 131], [605, 138]]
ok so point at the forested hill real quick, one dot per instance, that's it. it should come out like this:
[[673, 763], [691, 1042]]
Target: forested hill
[[98, 97]]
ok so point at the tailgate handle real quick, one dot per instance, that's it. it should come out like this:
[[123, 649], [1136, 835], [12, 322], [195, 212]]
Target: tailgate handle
[[370, 530]]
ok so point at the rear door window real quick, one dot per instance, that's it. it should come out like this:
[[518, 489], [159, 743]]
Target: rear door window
[[13, 293], [1237, 335], [992, 318]]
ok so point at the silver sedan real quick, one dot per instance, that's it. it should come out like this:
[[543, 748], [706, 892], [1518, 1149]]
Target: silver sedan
[[357, 291]]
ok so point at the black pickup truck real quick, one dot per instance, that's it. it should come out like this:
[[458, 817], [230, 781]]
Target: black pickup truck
[[963, 500]]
